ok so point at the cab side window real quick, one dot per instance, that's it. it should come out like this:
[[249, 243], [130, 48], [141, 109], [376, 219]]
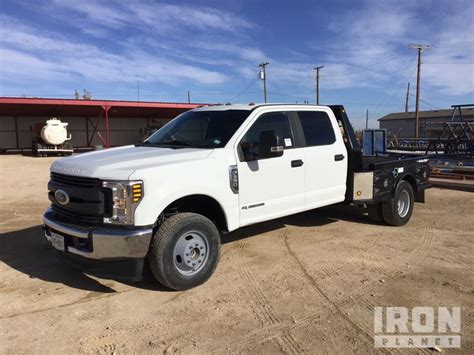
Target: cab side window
[[274, 121], [317, 128]]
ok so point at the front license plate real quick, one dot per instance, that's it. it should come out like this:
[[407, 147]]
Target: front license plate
[[57, 241]]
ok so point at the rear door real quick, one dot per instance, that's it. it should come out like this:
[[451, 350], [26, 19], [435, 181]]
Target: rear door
[[273, 187], [325, 159]]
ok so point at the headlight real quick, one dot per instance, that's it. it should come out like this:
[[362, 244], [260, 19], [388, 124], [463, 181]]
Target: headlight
[[126, 195]]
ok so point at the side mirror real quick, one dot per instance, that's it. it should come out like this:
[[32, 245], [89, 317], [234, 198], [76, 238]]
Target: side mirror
[[270, 145]]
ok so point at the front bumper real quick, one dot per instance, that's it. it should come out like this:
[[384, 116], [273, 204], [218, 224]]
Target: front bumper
[[99, 242]]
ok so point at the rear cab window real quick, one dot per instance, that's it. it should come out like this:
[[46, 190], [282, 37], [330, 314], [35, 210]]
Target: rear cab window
[[317, 128]]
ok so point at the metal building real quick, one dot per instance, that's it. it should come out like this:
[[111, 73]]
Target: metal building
[[91, 122], [402, 124]]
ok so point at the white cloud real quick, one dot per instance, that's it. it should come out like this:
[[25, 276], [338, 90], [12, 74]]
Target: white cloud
[[175, 44], [148, 16], [54, 58], [449, 66], [104, 13], [373, 47]]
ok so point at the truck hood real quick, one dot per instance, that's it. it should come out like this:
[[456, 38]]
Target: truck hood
[[119, 163]]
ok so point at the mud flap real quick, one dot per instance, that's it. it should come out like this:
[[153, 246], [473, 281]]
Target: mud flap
[[420, 196]]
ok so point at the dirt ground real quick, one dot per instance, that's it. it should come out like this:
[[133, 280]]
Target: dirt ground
[[307, 283]]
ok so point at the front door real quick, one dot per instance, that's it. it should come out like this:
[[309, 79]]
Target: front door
[[273, 187]]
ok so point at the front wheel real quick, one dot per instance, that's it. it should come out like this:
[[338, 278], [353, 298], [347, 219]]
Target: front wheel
[[398, 210], [184, 251]]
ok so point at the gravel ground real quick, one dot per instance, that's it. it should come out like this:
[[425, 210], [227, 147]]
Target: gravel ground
[[304, 283]]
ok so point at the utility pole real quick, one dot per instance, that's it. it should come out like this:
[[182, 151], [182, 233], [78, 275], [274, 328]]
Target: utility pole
[[420, 49], [317, 82], [406, 100], [367, 119], [189, 97], [263, 76]]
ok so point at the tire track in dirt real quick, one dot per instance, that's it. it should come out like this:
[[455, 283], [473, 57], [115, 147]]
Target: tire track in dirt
[[238, 246], [287, 341], [361, 294], [263, 309], [328, 274], [423, 250], [374, 241], [324, 295], [114, 338], [267, 315], [419, 253], [83, 300]]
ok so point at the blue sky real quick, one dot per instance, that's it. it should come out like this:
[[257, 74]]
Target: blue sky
[[213, 49]]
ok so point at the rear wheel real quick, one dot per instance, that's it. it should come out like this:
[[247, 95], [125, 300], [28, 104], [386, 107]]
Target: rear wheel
[[375, 212], [37, 146], [67, 145], [184, 251], [398, 210]]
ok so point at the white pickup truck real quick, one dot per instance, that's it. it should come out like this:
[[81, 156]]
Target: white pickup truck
[[215, 169]]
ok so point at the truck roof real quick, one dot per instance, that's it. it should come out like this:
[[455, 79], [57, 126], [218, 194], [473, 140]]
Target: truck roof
[[249, 107]]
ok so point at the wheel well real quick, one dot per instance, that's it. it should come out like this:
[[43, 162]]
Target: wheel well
[[201, 204]]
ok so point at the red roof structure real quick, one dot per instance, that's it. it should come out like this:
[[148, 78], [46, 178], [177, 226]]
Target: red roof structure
[[91, 109]]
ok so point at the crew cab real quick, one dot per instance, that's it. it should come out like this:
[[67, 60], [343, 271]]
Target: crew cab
[[215, 169]]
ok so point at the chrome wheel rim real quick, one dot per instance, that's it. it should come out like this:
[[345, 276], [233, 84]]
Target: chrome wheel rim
[[403, 203], [190, 253]]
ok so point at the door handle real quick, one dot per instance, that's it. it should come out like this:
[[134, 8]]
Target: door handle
[[296, 163], [338, 157]]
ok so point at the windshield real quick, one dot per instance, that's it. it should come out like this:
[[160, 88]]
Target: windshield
[[199, 129]]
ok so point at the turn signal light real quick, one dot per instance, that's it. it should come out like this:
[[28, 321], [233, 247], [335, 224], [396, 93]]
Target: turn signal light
[[137, 192]]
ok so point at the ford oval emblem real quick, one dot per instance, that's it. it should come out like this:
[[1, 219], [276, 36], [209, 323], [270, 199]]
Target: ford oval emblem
[[62, 197]]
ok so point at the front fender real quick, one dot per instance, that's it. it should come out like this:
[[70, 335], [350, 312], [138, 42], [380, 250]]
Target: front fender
[[163, 188]]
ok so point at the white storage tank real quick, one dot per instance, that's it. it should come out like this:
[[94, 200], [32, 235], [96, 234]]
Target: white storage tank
[[55, 132]]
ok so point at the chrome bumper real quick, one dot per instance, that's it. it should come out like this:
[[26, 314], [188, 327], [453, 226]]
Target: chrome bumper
[[102, 242]]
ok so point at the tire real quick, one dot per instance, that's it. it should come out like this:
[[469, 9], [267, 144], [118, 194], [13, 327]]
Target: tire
[[169, 261], [37, 146], [398, 210], [375, 212]]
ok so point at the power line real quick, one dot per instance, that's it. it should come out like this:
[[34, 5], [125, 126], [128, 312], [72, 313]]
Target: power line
[[252, 82], [438, 99], [364, 69], [288, 95], [454, 45], [396, 83], [427, 103]]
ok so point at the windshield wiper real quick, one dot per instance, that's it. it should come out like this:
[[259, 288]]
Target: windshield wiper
[[182, 143]]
